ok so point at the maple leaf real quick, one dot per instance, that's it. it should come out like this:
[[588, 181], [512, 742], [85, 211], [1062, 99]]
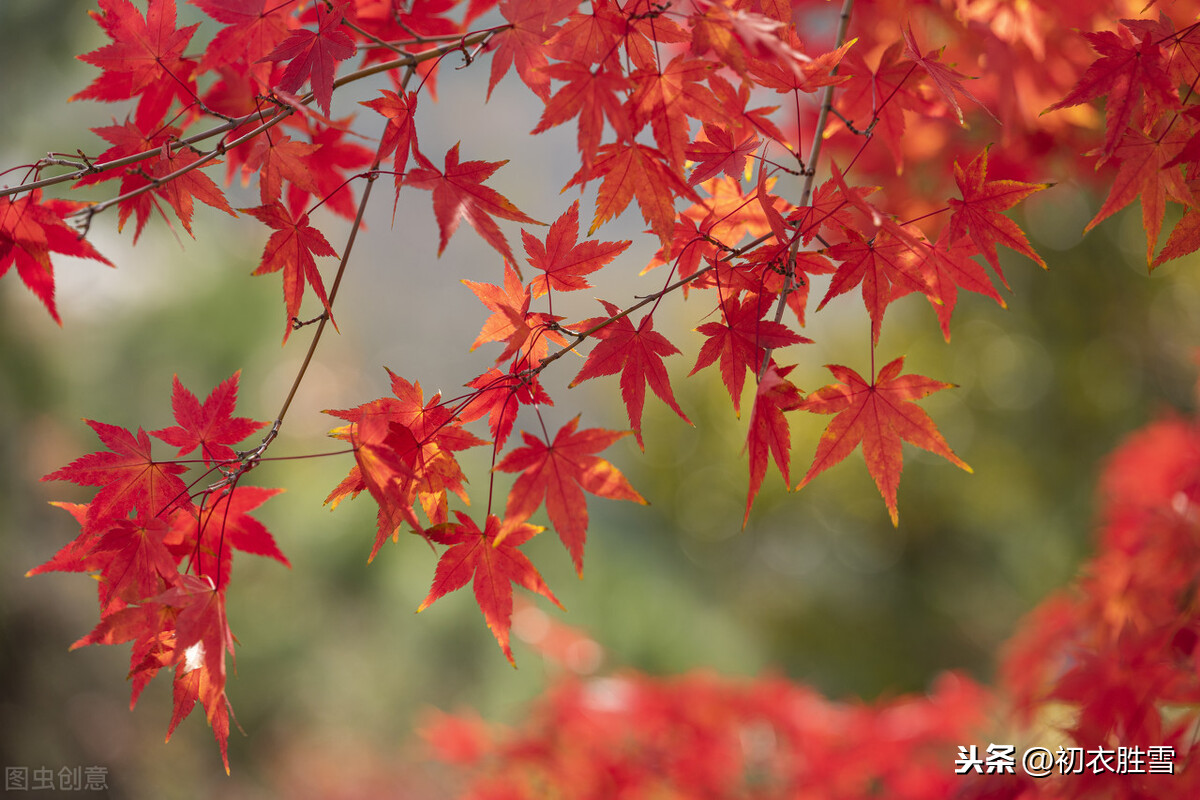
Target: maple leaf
[[75, 555], [145, 59], [210, 426], [947, 267], [209, 534], [630, 169], [1145, 173], [740, 340], [459, 193], [792, 71], [666, 97], [253, 28], [638, 355], [879, 415], [594, 97], [736, 34], [718, 153], [386, 453], [202, 637], [860, 100], [30, 230], [1127, 71], [978, 212], [162, 173], [133, 562], [491, 560], [521, 44], [511, 322], [563, 263], [313, 55], [948, 81], [560, 472], [769, 431], [404, 452], [400, 135], [278, 158], [1184, 238], [128, 475], [500, 395], [291, 249], [885, 267]]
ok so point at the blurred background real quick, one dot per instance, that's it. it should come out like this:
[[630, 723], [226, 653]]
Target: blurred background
[[335, 672]]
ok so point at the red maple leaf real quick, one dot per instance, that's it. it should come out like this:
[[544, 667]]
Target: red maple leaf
[[1127, 71], [178, 191], [947, 80], [313, 55], [523, 43], [202, 637], [669, 98], [404, 452], [128, 475], [491, 560], [947, 267], [718, 152], [145, 59], [638, 355], [500, 396], [291, 249], [595, 97], [1145, 173], [400, 135], [562, 261], [133, 562], [276, 159], [878, 415], [560, 472], [978, 212], [386, 453], [330, 168], [459, 193], [885, 267], [210, 534], [253, 28], [633, 170], [877, 98], [210, 426], [769, 432], [30, 230], [1184, 238], [740, 340]]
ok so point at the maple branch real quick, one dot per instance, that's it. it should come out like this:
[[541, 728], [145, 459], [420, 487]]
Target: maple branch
[[582, 336], [458, 42], [810, 175], [372, 175]]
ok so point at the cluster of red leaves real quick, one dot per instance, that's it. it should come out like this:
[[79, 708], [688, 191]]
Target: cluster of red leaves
[[161, 561], [701, 735], [672, 107], [1114, 661]]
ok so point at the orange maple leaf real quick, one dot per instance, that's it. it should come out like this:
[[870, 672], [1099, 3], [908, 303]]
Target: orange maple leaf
[[879, 415], [633, 170]]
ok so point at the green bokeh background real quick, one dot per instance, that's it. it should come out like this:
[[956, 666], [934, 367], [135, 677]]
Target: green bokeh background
[[335, 671]]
